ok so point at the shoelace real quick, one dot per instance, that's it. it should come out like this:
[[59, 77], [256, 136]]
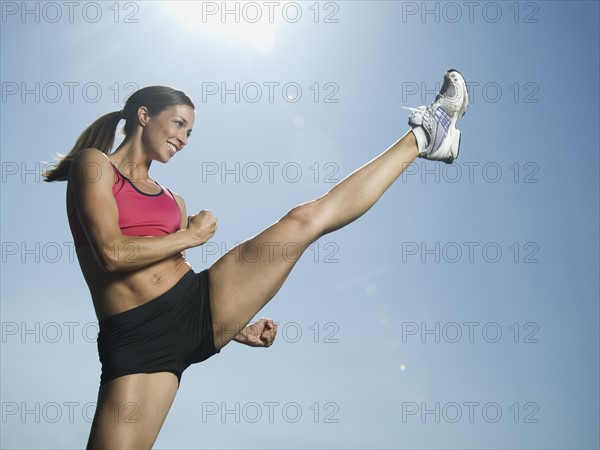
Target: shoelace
[[421, 109]]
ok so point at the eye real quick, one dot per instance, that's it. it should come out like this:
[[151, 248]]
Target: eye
[[179, 123]]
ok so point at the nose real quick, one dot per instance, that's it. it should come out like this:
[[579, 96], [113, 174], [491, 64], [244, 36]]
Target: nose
[[183, 139]]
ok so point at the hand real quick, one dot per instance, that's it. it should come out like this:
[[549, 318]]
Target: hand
[[259, 334], [202, 226]]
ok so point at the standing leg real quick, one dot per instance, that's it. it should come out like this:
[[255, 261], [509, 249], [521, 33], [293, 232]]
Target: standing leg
[[131, 410]]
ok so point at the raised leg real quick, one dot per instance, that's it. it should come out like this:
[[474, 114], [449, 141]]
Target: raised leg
[[243, 280], [131, 410]]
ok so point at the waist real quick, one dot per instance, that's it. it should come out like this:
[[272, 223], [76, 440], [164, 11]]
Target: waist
[[115, 292], [152, 306]]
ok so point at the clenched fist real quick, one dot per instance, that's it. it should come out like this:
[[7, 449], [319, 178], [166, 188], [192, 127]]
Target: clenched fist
[[259, 334], [202, 226]]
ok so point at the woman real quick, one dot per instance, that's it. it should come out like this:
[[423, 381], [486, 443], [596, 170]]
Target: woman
[[156, 315]]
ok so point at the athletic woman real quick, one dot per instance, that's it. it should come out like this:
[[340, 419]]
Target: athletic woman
[[156, 315]]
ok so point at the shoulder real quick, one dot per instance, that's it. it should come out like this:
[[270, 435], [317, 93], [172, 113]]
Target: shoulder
[[91, 165], [91, 155]]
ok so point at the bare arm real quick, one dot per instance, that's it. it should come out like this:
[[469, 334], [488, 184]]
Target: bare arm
[[93, 179]]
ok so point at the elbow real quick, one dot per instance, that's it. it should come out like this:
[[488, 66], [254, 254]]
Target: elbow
[[110, 259], [108, 264], [108, 267]]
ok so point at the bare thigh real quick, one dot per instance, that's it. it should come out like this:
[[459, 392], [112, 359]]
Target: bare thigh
[[244, 279], [131, 410]]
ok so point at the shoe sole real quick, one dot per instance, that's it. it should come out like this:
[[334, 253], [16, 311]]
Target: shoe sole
[[465, 105], [455, 145]]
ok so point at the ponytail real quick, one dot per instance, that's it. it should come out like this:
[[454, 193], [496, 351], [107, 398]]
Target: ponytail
[[100, 135]]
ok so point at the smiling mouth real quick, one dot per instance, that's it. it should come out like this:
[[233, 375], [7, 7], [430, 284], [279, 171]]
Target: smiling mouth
[[172, 148]]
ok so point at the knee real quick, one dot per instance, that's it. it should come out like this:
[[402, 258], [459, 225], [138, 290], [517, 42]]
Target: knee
[[307, 218]]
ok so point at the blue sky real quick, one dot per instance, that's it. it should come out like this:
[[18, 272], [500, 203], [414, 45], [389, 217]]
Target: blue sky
[[460, 312]]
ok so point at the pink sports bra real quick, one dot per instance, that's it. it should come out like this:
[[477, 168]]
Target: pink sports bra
[[140, 214]]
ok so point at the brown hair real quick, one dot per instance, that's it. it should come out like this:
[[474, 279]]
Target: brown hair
[[101, 133]]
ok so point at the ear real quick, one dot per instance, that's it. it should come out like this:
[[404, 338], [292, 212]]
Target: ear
[[143, 115]]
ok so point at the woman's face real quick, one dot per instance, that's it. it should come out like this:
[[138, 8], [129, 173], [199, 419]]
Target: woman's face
[[167, 133]]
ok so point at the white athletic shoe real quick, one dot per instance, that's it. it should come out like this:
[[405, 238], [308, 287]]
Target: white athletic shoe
[[439, 119]]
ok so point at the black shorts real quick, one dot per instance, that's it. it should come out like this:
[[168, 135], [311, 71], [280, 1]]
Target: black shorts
[[166, 334]]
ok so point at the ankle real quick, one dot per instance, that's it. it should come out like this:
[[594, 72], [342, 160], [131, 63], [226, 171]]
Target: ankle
[[421, 137]]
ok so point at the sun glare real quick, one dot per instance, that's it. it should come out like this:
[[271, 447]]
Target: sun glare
[[244, 21]]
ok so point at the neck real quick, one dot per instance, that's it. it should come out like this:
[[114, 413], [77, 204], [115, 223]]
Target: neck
[[131, 161]]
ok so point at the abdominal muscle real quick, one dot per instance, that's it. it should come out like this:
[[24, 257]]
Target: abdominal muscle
[[116, 292]]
